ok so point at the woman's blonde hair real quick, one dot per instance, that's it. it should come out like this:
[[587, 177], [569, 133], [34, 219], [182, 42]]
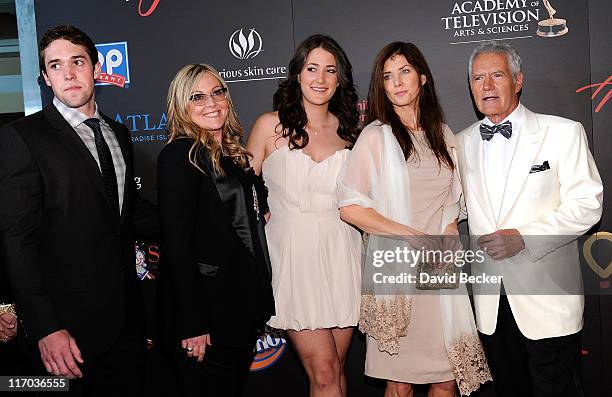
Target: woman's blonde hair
[[180, 124]]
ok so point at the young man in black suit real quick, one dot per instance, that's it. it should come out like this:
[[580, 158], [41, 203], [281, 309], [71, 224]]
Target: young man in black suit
[[69, 210]]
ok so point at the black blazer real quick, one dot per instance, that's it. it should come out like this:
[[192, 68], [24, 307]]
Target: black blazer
[[215, 276], [69, 257]]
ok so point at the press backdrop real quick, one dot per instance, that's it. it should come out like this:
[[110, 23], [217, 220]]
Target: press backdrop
[[143, 43]]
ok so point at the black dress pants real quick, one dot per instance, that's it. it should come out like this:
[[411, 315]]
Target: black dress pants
[[531, 368], [119, 371], [222, 373]]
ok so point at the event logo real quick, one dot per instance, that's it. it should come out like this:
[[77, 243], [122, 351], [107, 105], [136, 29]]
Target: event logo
[[269, 348], [600, 87], [145, 127], [115, 66], [245, 47], [478, 20], [148, 11], [587, 250], [551, 27], [362, 108], [137, 182], [147, 259]]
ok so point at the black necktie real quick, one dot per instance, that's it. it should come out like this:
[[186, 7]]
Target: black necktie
[[106, 164], [487, 131]]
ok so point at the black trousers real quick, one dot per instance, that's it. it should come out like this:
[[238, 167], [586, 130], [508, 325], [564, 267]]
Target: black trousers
[[222, 372], [119, 371], [531, 368]]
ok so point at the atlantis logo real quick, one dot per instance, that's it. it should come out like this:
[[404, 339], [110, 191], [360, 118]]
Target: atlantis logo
[[115, 66], [268, 350], [145, 127], [245, 47]]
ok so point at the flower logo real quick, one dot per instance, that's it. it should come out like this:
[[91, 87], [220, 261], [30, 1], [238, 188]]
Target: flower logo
[[245, 47]]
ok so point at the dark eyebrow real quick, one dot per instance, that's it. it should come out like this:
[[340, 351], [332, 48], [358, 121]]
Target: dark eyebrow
[[400, 68], [71, 58]]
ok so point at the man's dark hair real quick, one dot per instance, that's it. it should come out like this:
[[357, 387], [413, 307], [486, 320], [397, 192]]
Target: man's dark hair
[[70, 33]]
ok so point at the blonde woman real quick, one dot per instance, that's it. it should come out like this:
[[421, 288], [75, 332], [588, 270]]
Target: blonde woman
[[215, 291]]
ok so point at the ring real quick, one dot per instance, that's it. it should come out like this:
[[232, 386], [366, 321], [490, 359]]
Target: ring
[[189, 349]]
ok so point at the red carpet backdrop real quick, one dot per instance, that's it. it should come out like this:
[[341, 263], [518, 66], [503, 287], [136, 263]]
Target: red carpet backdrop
[[142, 43]]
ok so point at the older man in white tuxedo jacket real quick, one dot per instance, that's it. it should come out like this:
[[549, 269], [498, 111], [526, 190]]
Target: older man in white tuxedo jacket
[[526, 176]]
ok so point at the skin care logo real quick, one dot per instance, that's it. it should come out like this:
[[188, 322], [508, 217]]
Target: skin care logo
[[115, 67], [600, 87], [268, 350], [245, 47], [245, 44], [478, 20]]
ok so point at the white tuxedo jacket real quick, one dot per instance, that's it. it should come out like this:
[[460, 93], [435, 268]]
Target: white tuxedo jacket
[[565, 200]]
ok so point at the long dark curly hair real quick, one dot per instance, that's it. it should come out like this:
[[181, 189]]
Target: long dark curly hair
[[429, 111], [287, 99]]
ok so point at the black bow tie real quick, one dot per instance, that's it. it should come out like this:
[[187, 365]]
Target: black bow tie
[[487, 131]]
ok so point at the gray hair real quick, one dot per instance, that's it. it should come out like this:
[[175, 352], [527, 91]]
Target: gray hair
[[495, 47]]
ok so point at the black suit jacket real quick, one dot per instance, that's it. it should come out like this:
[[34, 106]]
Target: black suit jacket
[[215, 276], [70, 259]]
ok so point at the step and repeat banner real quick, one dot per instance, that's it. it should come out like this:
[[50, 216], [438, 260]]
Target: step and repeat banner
[[143, 43]]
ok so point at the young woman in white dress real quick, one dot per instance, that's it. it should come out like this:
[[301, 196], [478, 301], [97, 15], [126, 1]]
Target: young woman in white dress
[[300, 149]]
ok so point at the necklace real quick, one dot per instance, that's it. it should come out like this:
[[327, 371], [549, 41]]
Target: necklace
[[311, 130], [315, 131]]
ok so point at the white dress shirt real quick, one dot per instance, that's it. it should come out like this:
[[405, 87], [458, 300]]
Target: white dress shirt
[[498, 153], [76, 120]]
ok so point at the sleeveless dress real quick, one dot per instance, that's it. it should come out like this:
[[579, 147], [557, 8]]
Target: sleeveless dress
[[422, 356], [316, 257]]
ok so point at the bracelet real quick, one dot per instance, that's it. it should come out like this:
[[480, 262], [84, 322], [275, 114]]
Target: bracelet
[[8, 308]]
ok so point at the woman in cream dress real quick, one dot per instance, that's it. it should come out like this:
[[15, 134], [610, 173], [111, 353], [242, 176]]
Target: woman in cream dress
[[401, 180], [316, 262]]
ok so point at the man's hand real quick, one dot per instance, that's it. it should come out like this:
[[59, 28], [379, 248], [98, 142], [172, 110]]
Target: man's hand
[[502, 244], [8, 327], [58, 352], [196, 346]]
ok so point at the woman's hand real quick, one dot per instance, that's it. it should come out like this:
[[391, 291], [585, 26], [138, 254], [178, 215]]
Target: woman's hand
[[196, 346], [421, 240], [8, 327], [267, 216], [451, 229]]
